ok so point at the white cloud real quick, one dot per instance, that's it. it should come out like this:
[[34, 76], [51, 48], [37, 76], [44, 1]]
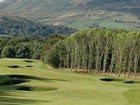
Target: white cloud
[[1, 0]]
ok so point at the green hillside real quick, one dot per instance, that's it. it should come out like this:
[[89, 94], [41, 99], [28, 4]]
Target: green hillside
[[41, 85], [14, 25], [69, 12]]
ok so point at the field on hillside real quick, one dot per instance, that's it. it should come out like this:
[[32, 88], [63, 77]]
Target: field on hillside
[[28, 82], [77, 13]]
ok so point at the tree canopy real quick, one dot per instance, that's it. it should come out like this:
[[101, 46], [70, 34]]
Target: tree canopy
[[102, 50]]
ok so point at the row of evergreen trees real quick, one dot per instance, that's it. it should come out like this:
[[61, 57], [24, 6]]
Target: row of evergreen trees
[[101, 50]]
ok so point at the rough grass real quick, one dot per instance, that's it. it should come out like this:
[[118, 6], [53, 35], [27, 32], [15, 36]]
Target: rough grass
[[114, 25], [54, 87], [132, 96]]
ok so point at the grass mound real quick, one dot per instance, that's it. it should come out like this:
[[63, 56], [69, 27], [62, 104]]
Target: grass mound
[[60, 87], [33, 77], [23, 76], [44, 88]]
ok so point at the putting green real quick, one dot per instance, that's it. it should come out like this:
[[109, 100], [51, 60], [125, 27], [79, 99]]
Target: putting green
[[45, 86]]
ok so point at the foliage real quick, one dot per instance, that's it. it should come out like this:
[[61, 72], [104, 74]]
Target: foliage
[[34, 47], [21, 47], [16, 26], [8, 51], [104, 50], [49, 43], [55, 55]]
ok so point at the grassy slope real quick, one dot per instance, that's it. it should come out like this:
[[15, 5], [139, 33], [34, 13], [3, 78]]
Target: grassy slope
[[77, 13], [72, 89]]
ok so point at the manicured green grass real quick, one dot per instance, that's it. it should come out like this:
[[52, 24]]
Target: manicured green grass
[[54, 87]]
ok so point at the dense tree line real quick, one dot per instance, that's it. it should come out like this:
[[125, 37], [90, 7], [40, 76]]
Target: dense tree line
[[102, 50], [49, 43], [21, 47], [17, 26], [31, 47]]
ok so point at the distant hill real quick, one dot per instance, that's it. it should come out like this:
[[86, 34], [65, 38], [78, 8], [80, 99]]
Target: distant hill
[[14, 25], [78, 13]]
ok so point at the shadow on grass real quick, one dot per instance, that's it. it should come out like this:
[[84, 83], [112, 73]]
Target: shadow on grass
[[16, 76], [119, 80], [14, 66], [14, 82], [111, 79], [7, 98], [9, 88], [29, 66], [35, 88], [29, 61], [131, 81], [2, 93], [18, 101]]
